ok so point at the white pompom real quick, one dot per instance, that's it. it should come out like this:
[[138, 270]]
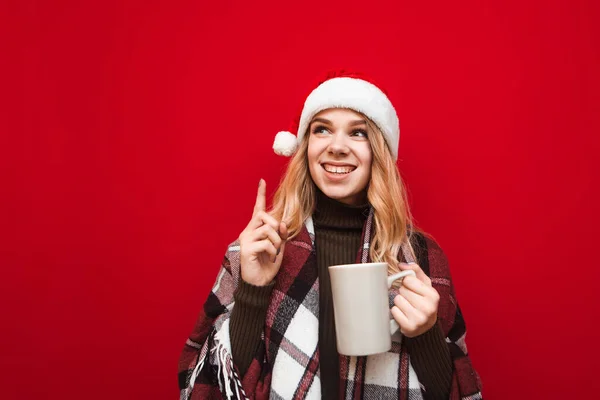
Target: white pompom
[[285, 143]]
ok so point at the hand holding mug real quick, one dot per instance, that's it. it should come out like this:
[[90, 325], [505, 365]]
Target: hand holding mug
[[262, 243], [416, 304]]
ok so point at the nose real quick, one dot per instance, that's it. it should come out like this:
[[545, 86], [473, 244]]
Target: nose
[[338, 144]]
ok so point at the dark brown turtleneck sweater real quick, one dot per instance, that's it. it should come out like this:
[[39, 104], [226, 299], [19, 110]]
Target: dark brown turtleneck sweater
[[338, 233]]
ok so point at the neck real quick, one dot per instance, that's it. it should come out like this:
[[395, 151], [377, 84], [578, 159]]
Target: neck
[[332, 213]]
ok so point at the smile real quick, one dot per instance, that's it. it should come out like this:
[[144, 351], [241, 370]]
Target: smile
[[338, 169]]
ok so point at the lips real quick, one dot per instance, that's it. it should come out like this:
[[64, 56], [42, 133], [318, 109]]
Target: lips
[[338, 169]]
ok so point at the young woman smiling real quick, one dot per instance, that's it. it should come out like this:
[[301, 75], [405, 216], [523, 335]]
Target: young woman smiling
[[267, 328]]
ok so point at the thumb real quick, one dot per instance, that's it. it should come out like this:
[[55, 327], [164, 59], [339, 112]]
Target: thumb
[[283, 231], [284, 234], [415, 267]]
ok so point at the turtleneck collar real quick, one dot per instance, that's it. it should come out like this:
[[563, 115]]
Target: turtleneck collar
[[330, 213]]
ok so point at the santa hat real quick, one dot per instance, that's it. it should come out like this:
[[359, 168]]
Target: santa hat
[[345, 90]]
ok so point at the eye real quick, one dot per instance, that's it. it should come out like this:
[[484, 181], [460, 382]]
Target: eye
[[320, 129], [360, 133]]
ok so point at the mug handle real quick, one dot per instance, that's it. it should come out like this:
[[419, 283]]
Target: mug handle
[[391, 279]]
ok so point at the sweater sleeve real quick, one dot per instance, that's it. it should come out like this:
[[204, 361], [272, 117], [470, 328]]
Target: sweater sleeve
[[247, 322], [430, 356]]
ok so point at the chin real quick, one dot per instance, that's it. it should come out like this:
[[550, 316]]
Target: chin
[[345, 196]]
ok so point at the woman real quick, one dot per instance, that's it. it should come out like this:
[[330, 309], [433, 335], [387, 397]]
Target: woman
[[267, 328]]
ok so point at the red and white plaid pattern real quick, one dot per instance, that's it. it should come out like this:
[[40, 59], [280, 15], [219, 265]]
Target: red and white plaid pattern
[[286, 365]]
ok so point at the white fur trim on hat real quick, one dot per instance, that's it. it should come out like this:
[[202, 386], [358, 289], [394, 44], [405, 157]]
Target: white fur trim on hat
[[285, 143], [358, 95]]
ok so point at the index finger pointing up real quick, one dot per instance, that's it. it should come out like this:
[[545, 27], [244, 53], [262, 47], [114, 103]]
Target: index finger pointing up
[[261, 200]]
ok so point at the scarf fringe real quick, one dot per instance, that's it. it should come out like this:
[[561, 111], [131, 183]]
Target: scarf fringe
[[226, 370], [226, 373]]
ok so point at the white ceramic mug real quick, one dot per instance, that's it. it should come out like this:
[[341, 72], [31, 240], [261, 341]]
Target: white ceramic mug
[[361, 307]]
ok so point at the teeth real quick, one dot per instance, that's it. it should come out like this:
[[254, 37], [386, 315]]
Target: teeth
[[338, 170]]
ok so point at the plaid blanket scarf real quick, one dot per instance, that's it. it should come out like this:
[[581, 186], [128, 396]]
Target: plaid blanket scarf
[[286, 364]]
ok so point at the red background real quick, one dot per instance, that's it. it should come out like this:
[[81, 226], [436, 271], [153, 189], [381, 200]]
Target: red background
[[134, 135]]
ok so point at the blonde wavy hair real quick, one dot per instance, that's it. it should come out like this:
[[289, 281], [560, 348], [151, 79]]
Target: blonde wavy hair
[[294, 200]]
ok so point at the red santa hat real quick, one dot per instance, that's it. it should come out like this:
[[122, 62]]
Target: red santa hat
[[345, 90]]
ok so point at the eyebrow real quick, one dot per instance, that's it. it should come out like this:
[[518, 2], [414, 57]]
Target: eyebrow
[[328, 122]]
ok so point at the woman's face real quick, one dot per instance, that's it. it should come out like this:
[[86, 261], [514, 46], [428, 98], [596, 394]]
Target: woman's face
[[339, 155]]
